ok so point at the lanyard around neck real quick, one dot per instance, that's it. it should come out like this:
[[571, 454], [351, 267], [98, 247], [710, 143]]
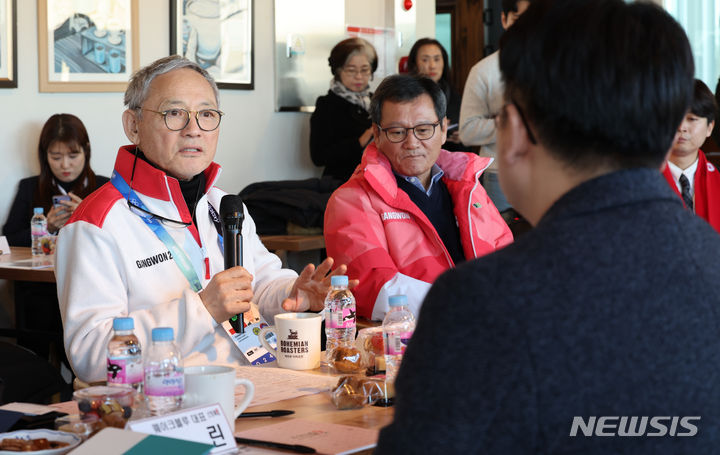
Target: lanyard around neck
[[179, 255]]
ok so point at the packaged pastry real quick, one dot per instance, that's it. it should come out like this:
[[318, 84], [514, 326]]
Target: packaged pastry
[[370, 344], [346, 359], [84, 426], [354, 392]]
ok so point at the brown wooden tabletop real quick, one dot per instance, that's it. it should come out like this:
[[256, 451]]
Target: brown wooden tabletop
[[319, 407], [293, 242], [25, 268]]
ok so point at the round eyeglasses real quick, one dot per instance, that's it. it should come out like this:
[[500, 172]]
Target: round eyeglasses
[[352, 71], [177, 119], [397, 134]]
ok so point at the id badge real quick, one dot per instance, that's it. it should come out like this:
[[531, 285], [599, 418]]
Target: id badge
[[248, 341]]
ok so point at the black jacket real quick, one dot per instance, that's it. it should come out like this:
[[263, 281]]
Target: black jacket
[[608, 308], [335, 127]]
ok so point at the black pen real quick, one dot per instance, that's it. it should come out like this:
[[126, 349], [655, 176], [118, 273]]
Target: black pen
[[275, 445], [273, 413]]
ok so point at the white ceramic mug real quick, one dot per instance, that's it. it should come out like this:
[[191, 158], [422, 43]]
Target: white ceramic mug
[[298, 337], [208, 384]]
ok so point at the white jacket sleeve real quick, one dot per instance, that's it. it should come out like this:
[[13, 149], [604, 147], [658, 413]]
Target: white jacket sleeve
[[93, 289]]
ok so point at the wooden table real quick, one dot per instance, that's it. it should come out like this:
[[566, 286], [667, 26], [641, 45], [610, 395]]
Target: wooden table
[[45, 274], [317, 407], [296, 251], [293, 242], [280, 243]]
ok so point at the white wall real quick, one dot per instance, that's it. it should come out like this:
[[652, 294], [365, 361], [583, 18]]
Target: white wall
[[255, 144]]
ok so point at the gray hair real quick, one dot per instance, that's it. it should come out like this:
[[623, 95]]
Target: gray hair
[[139, 85]]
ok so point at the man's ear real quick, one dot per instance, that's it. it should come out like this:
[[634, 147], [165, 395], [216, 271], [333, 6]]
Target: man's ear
[[443, 126], [711, 125], [131, 125], [376, 131], [517, 144]]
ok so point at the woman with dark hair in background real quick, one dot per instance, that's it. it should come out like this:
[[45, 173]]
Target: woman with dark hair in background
[[340, 125], [64, 158], [429, 58]]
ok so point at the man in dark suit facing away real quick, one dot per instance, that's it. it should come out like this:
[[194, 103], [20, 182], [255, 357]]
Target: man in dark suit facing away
[[597, 332]]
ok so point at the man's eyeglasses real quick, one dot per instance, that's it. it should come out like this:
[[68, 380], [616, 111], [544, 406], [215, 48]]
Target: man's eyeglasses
[[397, 134], [352, 71], [141, 212], [177, 119]]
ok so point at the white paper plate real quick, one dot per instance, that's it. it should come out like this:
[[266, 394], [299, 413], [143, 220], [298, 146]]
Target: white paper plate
[[50, 435]]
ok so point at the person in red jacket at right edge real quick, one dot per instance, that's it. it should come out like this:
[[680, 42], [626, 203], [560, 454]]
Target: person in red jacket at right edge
[[688, 172]]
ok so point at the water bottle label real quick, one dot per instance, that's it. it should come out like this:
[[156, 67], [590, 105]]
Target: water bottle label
[[37, 230], [124, 370], [164, 385], [396, 342], [340, 318]]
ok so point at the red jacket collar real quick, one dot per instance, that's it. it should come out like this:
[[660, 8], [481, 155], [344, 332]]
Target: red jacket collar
[[152, 181], [455, 165]]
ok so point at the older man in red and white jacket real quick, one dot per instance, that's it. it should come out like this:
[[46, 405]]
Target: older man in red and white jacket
[[411, 210]]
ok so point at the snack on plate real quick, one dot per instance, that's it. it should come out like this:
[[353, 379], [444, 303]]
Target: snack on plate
[[354, 392], [113, 405], [346, 359], [30, 445]]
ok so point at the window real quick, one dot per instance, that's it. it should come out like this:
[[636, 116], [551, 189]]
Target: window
[[700, 20]]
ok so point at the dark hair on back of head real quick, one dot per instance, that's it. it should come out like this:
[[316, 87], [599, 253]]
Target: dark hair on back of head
[[703, 102], [402, 88], [601, 82]]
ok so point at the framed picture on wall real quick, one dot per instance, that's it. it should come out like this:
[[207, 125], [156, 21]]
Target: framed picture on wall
[[218, 35], [8, 44], [87, 45]]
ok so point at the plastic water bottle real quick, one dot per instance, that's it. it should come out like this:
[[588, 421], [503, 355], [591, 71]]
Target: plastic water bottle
[[398, 326], [38, 230], [339, 315], [164, 377], [124, 356]]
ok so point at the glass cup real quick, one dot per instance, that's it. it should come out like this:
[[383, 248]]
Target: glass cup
[[112, 405], [100, 53]]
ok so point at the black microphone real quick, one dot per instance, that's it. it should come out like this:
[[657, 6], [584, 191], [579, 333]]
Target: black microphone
[[231, 217]]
